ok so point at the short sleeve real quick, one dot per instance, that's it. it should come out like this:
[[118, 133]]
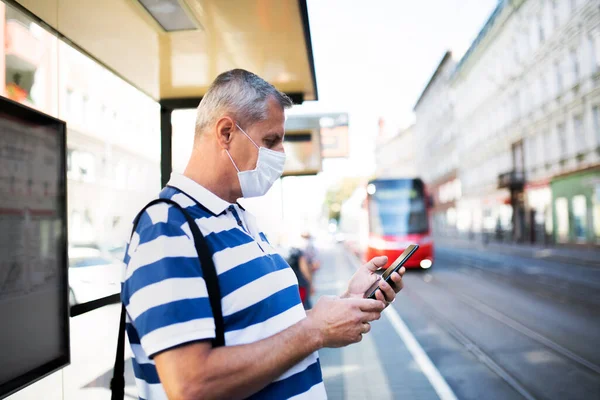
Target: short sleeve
[[163, 291]]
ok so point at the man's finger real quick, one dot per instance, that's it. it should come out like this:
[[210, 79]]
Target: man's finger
[[366, 328], [370, 317], [369, 305], [388, 291], [376, 263], [380, 296], [398, 283]]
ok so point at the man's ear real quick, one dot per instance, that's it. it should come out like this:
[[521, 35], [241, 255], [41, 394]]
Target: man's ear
[[224, 128]]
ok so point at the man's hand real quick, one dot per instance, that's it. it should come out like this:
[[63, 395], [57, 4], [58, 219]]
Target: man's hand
[[196, 370], [340, 322], [365, 276]]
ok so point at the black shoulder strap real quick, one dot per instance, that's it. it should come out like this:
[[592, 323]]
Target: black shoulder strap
[[209, 272], [117, 383]]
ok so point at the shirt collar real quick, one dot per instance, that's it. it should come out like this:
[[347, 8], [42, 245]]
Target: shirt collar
[[208, 199]]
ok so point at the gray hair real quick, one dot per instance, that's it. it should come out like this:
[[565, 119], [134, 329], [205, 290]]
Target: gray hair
[[241, 93]]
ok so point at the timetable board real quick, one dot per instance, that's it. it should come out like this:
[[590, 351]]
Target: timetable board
[[34, 333]]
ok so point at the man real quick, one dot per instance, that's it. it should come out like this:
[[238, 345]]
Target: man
[[271, 343]]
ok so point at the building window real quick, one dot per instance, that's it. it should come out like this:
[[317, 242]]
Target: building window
[[575, 64], [580, 218], [555, 13], [69, 162], [548, 154], [562, 219], [530, 152], [543, 92], [596, 123], [579, 134], [539, 150], [541, 33], [82, 166], [562, 140], [527, 88], [593, 57], [516, 105], [558, 73]]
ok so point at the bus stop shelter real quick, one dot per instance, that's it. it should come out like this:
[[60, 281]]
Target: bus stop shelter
[[170, 50], [173, 49]]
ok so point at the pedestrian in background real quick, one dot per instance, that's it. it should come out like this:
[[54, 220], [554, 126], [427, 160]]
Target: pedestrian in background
[[299, 263]]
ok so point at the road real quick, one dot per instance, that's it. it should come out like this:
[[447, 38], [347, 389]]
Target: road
[[495, 326]]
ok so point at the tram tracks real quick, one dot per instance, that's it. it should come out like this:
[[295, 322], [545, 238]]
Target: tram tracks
[[553, 288], [479, 351], [519, 327], [461, 337]]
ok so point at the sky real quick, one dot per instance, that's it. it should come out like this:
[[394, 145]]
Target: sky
[[376, 56]]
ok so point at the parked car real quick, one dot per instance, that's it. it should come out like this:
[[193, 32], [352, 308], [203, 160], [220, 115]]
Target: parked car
[[116, 251], [92, 275]]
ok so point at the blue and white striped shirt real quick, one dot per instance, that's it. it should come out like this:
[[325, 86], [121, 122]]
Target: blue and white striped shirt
[[166, 298]]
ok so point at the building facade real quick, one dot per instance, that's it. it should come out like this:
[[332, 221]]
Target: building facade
[[526, 109], [395, 154], [436, 155]]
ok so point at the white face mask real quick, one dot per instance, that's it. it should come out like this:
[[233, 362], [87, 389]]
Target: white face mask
[[269, 167]]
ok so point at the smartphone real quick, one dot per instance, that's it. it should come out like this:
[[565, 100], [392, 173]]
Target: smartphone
[[396, 265]]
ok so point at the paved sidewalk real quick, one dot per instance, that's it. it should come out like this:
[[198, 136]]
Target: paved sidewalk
[[379, 367], [584, 256]]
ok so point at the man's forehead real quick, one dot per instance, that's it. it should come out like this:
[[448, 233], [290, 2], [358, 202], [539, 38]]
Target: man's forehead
[[274, 124]]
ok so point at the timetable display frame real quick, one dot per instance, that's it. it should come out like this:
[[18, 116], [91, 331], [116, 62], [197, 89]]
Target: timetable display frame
[[34, 304]]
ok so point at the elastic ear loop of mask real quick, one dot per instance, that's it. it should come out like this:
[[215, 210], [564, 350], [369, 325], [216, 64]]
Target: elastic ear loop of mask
[[244, 132], [227, 151], [233, 162]]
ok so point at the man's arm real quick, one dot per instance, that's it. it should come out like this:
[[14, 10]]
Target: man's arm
[[197, 371]]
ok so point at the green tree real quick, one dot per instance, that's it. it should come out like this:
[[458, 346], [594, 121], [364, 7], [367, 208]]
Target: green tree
[[339, 193]]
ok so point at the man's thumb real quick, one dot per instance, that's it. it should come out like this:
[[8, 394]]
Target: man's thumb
[[376, 263]]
